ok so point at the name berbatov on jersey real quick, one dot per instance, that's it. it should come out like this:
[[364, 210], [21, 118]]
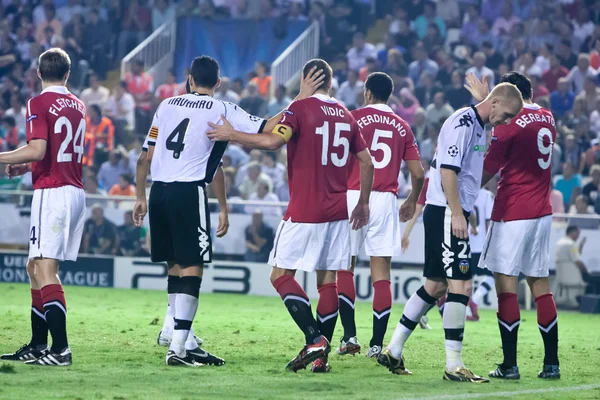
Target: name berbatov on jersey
[[530, 118]]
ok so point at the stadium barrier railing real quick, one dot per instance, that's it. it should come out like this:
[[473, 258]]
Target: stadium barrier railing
[[286, 68]]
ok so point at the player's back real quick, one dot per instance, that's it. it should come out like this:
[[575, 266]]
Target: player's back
[[390, 141], [523, 152], [325, 133], [58, 117]]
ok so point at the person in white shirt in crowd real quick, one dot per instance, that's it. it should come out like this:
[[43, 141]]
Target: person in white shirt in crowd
[[349, 90], [96, 93], [595, 119], [279, 102], [162, 12], [583, 27], [504, 23], [66, 13], [543, 58], [17, 110], [121, 106], [242, 172], [570, 270], [360, 51], [253, 179], [581, 71], [275, 170], [480, 70], [263, 193], [224, 92], [438, 110]]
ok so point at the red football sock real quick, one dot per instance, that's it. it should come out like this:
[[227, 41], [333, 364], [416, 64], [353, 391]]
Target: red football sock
[[548, 324], [382, 308], [55, 309], [347, 297], [298, 305], [509, 319], [327, 309]]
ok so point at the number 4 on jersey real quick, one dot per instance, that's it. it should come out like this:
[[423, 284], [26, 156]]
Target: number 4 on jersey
[[175, 139]]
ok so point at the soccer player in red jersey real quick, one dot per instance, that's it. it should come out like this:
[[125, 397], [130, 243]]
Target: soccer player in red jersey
[[53, 154], [314, 235], [518, 240], [391, 140]]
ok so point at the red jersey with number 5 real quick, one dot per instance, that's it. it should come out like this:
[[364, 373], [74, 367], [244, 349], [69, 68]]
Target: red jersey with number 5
[[390, 141], [522, 152], [324, 137], [58, 117]]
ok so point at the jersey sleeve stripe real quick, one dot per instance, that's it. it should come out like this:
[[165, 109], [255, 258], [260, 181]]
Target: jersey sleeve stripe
[[29, 115], [262, 126], [153, 134], [452, 167]]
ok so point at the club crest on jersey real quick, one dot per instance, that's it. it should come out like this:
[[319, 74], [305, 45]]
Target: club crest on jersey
[[32, 117], [463, 266], [453, 151]]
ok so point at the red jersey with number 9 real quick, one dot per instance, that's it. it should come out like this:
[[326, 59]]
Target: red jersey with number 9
[[390, 139], [323, 140], [522, 152], [58, 117]]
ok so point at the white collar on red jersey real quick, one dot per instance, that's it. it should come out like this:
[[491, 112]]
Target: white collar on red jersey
[[56, 89], [381, 107], [324, 98], [533, 106]]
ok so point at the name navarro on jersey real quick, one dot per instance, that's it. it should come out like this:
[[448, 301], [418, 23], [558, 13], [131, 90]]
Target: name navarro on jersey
[[61, 103], [183, 102], [530, 118], [384, 119]]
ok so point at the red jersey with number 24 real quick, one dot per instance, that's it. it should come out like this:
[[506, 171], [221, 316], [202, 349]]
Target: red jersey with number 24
[[522, 152], [391, 141], [324, 137], [58, 117]]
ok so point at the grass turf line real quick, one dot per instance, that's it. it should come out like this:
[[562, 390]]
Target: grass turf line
[[113, 339]]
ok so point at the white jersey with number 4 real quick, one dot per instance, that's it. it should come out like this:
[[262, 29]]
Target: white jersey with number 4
[[182, 151]]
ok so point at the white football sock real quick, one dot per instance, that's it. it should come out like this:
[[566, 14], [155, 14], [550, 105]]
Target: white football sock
[[167, 328], [483, 289], [414, 309], [454, 325], [185, 311]]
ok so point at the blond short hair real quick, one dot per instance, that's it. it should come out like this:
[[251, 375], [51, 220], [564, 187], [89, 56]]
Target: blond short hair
[[509, 93]]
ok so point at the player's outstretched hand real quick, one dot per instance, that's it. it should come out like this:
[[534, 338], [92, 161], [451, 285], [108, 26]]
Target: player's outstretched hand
[[223, 224], [478, 89], [405, 243], [139, 212], [360, 216], [310, 84], [459, 226], [407, 210], [13, 170], [221, 132]]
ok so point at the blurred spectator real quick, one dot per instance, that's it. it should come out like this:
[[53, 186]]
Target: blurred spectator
[[573, 153], [595, 119], [254, 178], [543, 58], [141, 86], [224, 93], [279, 102], [493, 58], [120, 107], [100, 235], [538, 88], [49, 21], [17, 111], [407, 107], [23, 44], [263, 193], [237, 155], [433, 39], [403, 35], [134, 154], [124, 187], [89, 149], [470, 24], [162, 12], [456, 94], [283, 191], [135, 25], [421, 24], [90, 186], [242, 171], [557, 200], [262, 79], [11, 134], [420, 128], [96, 93], [253, 103], [491, 9], [275, 170], [101, 127], [438, 110], [360, 51], [394, 61], [131, 238], [259, 239], [503, 24], [296, 12], [594, 54], [522, 8], [582, 208], [582, 26], [421, 64], [232, 192], [66, 13], [110, 170], [427, 146], [556, 71], [565, 54], [569, 183], [428, 88], [350, 89], [592, 188], [168, 89], [590, 94], [556, 159], [480, 70], [570, 270], [389, 44], [561, 100], [483, 34], [96, 41], [579, 73], [449, 11], [371, 66]]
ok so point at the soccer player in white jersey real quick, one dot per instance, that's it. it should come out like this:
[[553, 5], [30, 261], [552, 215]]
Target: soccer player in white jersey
[[454, 182], [183, 160], [53, 154]]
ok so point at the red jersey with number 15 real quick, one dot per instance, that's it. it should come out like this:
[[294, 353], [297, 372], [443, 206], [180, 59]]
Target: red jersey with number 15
[[322, 138], [390, 140], [522, 152], [58, 117]]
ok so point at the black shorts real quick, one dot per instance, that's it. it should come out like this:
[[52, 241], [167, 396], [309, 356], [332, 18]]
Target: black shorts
[[179, 223], [477, 271], [446, 256]]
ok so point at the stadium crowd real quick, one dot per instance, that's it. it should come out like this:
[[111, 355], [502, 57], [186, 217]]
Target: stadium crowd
[[427, 49]]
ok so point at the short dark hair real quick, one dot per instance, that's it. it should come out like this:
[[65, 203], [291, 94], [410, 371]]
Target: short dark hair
[[96, 108], [54, 64], [10, 121], [381, 85], [205, 71], [127, 178], [520, 81], [572, 229], [322, 65]]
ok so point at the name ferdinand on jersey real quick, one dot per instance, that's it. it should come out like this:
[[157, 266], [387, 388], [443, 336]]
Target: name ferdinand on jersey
[[61, 103], [384, 119], [531, 118]]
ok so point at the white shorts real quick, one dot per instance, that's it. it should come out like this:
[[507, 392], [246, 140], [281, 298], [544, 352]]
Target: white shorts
[[310, 247], [381, 236], [521, 246], [57, 219]]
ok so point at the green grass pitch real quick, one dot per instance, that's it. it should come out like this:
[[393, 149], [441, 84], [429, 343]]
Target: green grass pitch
[[113, 332]]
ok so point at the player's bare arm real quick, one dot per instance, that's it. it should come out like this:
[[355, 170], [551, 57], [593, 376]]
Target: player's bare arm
[[360, 214], [218, 184], [35, 150], [141, 174], [265, 141], [474, 223], [13, 170], [450, 185], [478, 89], [417, 177], [405, 242]]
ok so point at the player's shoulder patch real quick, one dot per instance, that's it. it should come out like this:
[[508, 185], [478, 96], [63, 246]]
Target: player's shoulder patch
[[32, 117]]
